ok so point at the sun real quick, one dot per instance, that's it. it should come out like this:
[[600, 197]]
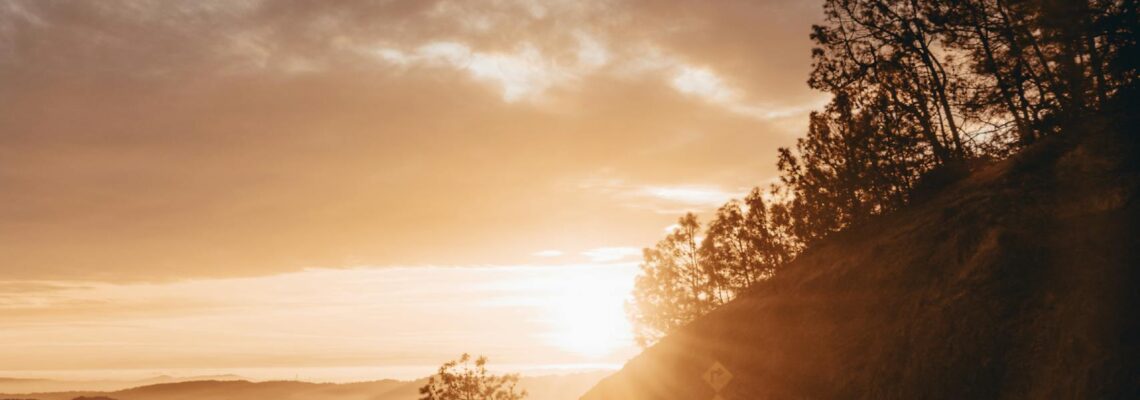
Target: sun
[[587, 315]]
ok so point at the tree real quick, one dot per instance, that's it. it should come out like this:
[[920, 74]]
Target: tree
[[919, 84], [919, 89], [982, 77], [743, 245], [674, 287], [460, 380], [849, 167], [886, 49], [685, 275]]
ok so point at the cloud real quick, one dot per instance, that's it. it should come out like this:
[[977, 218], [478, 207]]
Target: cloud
[[149, 140], [520, 74], [696, 195], [707, 85], [548, 253], [409, 316], [35, 287], [704, 83], [611, 254], [664, 199], [170, 170]]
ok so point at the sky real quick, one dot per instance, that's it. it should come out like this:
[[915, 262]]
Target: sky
[[374, 186]]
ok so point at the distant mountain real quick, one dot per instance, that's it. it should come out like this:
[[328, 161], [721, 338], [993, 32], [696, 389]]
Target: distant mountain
[[32, 385], [553, 387]]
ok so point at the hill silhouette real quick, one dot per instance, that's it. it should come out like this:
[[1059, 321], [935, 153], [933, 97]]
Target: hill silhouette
[[31, 385], [1017, 280], [552, 387]]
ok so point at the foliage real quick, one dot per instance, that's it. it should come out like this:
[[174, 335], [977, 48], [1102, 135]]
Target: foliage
[[686, 275], [673, 287], [846, 170], [917, 86], [462, 380]]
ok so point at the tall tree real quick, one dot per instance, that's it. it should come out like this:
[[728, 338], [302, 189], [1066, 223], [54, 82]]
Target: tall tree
[[743, 246], [848, 168], [674, 286], [685, 275], [871, 48], [918, 87]]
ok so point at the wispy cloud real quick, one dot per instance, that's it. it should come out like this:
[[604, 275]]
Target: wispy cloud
[[696, 195], [611, 254], [664, 199], [342, 123], [712, 88], [548, 253], [322, 317], [522, 73], [436, 117]]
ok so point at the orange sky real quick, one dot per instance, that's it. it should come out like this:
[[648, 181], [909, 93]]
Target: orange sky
[[201, 185]]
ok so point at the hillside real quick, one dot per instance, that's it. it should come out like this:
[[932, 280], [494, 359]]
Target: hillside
[[1018, 280], [212, 389], [552, 387], [24, 385]]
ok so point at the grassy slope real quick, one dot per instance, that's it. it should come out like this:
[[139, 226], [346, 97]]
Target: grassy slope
[[1019, 281]]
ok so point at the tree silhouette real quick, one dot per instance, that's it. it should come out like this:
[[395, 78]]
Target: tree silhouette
[[674, 287], [686, 275], [920, 89], [462, 380], [848, 169], [743, 245]]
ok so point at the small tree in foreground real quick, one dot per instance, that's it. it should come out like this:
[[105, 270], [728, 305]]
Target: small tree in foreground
[[460, 380]]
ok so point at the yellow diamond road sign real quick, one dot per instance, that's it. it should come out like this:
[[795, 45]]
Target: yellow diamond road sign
[[717, 376]]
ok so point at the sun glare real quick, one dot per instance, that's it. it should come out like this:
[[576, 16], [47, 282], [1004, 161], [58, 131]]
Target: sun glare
[[587, 314]]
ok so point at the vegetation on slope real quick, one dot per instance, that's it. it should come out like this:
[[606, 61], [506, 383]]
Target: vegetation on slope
[[922, 92], [1016, 281]]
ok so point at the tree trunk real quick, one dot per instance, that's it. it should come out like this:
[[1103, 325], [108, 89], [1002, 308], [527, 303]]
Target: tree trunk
[[1023, 133]]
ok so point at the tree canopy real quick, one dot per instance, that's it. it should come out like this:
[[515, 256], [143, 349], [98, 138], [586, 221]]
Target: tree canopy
[[917, 86]]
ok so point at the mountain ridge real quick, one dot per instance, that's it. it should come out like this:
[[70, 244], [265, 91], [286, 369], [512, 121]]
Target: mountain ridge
[[545, 387], [40, 385]]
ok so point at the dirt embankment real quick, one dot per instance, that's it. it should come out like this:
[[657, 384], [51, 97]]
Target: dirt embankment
[[1021, 280]]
